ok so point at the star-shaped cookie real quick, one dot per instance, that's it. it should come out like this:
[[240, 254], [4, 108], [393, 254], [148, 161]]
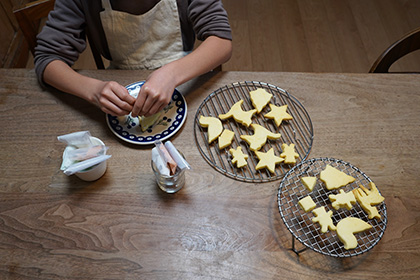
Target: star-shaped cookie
[[261, 134], [278, 114], [239, 115], [267, 160], [239, 158], [260, 98]]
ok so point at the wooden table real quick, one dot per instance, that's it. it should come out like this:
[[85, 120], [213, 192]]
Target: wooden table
[[123, 227]]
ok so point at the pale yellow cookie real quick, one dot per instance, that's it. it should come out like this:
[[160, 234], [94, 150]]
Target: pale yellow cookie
[[260, 98], [147, 122], [342, 200], [309, 182], [347, 227], [289, 153], [225, 139], [324, 219], [278, 114], [307, 204], [334, 178], [267, 160], [214, 126], [368, 198], [239, 115], [261, 134], [239, 158]]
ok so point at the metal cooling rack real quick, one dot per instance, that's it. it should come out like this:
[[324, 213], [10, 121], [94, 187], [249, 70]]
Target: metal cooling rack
[[298, 131], [300, 224]]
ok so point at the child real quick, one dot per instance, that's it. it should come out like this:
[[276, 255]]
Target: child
[[147, 34]]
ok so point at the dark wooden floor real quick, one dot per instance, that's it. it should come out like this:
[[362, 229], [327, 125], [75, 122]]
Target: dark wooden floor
[[344, 36]]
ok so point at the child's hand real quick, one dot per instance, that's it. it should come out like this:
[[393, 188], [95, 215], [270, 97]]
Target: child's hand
[[155, 94], [114, 99]]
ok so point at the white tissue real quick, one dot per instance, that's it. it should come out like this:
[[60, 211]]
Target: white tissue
[[180, 161], [80, 139], [80, 166]]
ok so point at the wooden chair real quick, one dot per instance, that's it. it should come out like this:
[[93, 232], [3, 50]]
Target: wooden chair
[[29, 18], [400, 48]]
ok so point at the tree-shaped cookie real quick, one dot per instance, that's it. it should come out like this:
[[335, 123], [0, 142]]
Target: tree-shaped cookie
[[347, 227], [334, 178], [214, 126], [239, 158], [239, 115], [267, 160], [368, 198], [342, 200], [289, 153], [225, 139], [324, 219], [278, 114], [260, 98], [261, 134]]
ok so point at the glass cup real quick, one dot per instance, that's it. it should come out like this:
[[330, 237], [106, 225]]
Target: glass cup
[[172, 183]]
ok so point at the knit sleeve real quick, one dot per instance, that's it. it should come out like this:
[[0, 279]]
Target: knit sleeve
[[209, 18], [63, 36]]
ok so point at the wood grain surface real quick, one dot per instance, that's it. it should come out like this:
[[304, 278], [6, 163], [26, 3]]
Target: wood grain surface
[[123, 227]]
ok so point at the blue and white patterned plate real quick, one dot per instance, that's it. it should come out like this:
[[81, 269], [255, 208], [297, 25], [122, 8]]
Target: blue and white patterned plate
[[172, 119]]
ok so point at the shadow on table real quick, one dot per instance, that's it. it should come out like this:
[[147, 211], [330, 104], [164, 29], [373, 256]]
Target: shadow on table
[[306, 256]]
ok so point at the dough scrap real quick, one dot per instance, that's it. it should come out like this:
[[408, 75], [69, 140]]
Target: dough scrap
[[260, 98], [267, 160], [239, 158], [214, 126], [368, 198], [342, 200], [324, 219], [289, 154], [225, 139], [261, 134], [347, 227], [334, 178], [307, 204], [278, 114], [309, 182], [238, 114]]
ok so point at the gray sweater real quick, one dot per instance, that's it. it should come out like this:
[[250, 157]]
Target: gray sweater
[[64, 35]]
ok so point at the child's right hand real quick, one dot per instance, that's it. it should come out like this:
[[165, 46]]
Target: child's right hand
[[114, 99]]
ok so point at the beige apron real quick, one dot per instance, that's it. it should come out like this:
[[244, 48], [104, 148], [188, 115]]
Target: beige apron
[[146, 41]]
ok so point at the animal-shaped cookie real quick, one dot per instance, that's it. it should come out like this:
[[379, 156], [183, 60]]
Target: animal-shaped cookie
[[342, 200], [324, 219], [307, 203], [289, 153], [238, 114], [368, 198], [334, 178], [260, 98], [347, 227], [267, 160], [239, 158], [261, 134], [214, 126], [309, 182], [225, 139], [278, 114]]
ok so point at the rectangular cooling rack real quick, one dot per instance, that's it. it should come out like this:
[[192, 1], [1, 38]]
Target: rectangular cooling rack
[[298, 131]]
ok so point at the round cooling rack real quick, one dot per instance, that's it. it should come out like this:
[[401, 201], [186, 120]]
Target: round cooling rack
[[298, 131], [300, 224]]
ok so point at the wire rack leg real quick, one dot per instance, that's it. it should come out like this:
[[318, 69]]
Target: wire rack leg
[[297, 252]]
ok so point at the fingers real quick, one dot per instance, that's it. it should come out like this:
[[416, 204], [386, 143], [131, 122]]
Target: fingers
[[114, 99], [150, 101]]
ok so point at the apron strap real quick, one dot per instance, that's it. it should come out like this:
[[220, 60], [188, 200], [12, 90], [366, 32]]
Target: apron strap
[[106, 5]]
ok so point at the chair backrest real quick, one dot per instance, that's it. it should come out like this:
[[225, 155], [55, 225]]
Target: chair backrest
[[402, 47], [29, 18]]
